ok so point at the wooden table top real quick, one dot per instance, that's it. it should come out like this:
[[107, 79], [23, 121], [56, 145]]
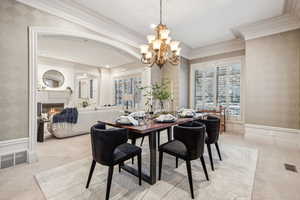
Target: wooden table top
[[150, 125]]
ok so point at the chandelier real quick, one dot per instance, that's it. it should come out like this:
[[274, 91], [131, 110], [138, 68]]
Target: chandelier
[[161, 48]]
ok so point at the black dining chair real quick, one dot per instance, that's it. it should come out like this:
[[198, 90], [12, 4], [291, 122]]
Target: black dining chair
[[213, 131], [110, 148], [188, 144]]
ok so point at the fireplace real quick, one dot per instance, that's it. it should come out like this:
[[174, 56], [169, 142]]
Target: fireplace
[[49, 108]]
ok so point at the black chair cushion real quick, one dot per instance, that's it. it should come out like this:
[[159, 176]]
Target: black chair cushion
[[175, 148], [124, 152]]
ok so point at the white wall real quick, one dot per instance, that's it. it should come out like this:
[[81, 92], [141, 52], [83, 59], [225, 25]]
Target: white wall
[[69, 70], [68, 73], [83, 51], [106, 87]]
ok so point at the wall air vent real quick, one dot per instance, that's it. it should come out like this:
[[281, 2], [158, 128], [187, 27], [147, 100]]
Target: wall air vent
[[290, 167], [7, 161], [20, 157], [12, 159]]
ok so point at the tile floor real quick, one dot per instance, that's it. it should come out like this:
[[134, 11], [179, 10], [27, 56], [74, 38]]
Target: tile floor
[[272, 181]]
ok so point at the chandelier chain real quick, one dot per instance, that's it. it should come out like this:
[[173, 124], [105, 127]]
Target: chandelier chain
[[160, 11], [160, 48]]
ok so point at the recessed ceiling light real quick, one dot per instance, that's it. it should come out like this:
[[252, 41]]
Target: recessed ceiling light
[[107, 66], [152, 26]]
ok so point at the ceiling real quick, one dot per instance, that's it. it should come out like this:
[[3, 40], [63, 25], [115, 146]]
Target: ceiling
[[82, 51], [197, 23]]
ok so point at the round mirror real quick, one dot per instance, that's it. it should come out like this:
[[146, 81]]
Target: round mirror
[[53, 79]]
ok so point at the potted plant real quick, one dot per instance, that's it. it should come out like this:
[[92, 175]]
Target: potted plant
[[157, 91]]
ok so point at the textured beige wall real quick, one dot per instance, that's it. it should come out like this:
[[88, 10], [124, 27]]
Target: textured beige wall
[[184, 75], [171, 72], [14, 21], [272, 80]]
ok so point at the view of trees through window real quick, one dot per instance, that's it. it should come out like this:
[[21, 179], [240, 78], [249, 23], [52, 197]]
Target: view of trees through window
[[218, 86]]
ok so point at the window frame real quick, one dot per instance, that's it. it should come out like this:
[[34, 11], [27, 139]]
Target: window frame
[[129, 78], [222, 62]]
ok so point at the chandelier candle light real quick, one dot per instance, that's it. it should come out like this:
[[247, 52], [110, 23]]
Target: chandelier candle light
[[160, 49]]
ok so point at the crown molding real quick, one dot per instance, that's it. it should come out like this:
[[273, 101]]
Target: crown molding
[[88, 19], [78, 14], [75, 13], [216, 49], [275, 25]]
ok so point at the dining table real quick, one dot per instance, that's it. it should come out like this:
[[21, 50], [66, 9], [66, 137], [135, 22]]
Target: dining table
[[149, 128]]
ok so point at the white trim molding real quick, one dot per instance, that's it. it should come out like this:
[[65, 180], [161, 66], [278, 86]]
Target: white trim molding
[[15, 145], [34, 33], [76, 13], [273, 135], [89, 19], [224, 61], [275, 25], [270, 135], [219, 48], [269, 130]]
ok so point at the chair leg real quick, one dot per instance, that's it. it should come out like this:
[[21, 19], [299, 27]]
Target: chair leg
[[189, 171], [140, 168], [176, 162], [160, 164], [133, 142], [210, 157], [109, 178], [120, 165], [90, 174], [142, 141], [204, 167], [218, 149]]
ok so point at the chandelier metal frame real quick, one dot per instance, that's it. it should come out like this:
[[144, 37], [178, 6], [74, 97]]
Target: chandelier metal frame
[[161, 48]]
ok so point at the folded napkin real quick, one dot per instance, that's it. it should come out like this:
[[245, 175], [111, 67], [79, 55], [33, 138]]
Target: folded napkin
[[127, 119], [167, 117], [200, 115], [186, 112], [138, 114]]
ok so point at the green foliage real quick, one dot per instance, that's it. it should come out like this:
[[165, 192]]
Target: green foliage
[[157, 91], [161, 91]]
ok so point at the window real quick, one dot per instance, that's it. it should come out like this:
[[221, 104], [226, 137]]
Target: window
[[218, 85], [127, 91]]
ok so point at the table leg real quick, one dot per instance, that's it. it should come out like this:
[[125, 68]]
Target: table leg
[[151, 179], [169, 133], [152, 145], [40, 135]]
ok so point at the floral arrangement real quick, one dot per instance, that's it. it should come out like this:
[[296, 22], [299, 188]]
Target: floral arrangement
[[157, 91]]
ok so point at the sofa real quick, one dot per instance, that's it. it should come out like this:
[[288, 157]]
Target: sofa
[[86, 119]]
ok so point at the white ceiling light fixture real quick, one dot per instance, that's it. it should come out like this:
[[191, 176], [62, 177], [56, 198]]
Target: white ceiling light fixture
[[160, 48]]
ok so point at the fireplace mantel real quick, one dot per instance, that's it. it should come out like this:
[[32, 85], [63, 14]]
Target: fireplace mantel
[[53, 96]]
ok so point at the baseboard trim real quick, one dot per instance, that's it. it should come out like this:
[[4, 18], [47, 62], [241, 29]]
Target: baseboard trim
[[273, 135], [11, 146], [270, 129], [18, 145]]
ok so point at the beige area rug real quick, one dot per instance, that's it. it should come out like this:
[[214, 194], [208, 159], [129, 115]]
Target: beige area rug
[[232, 179]]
